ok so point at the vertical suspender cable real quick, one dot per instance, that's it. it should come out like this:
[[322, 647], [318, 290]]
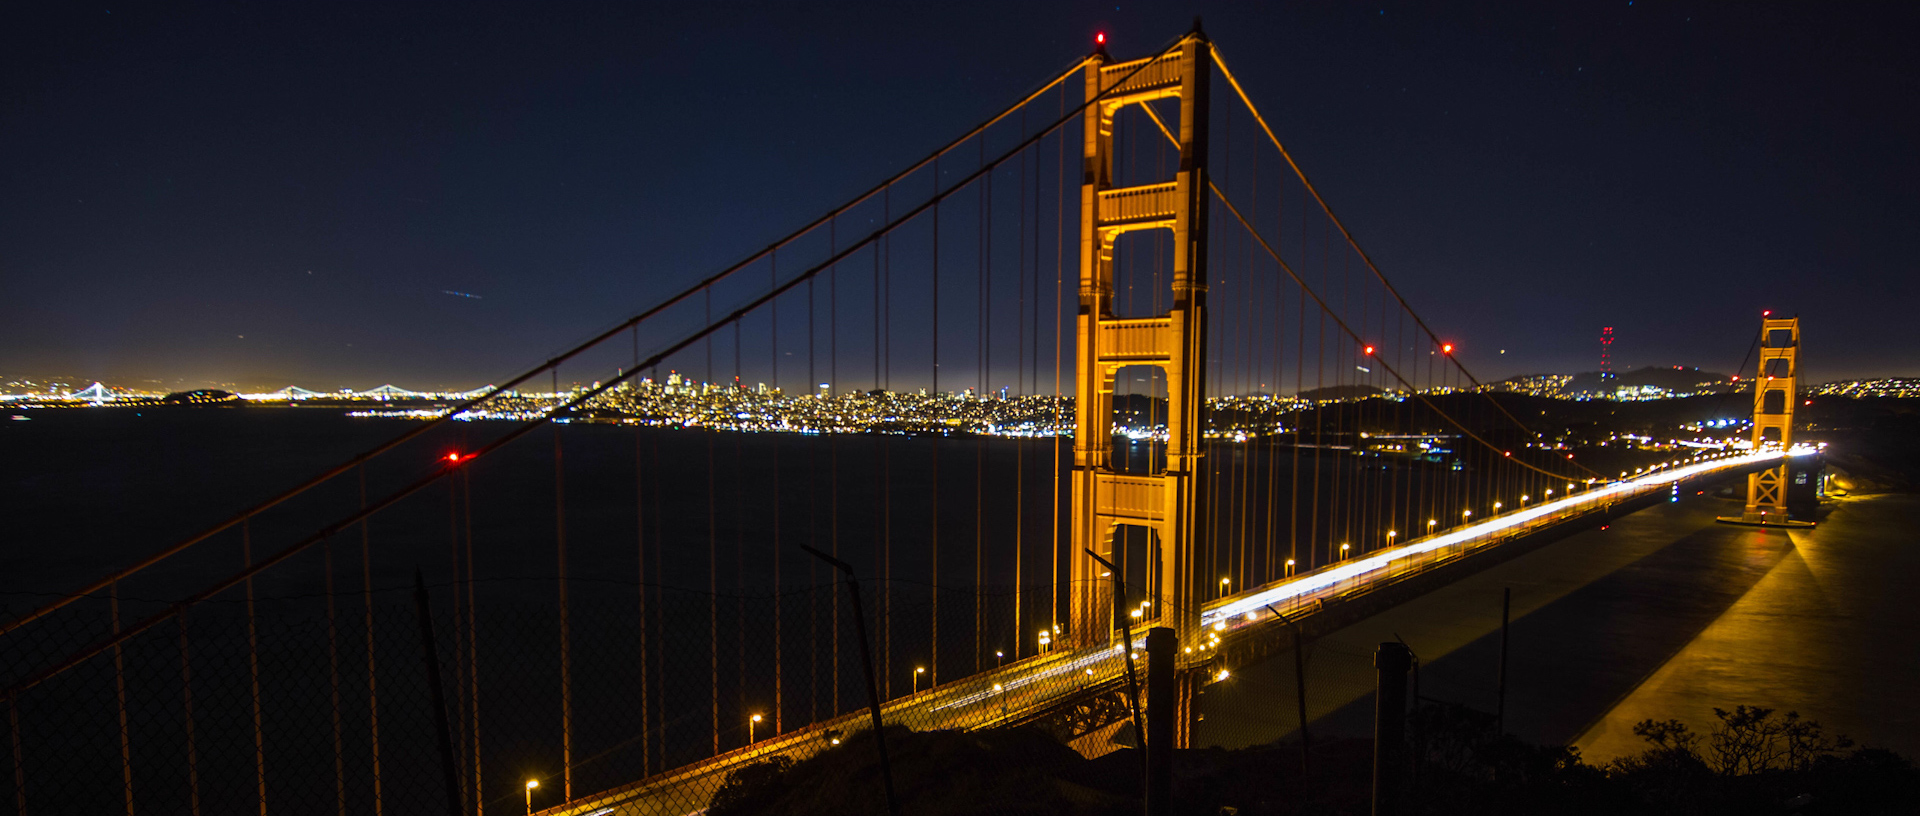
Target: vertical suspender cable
[[713, 550], [253, 671], [739, 546], [457, 724], [566, 654], [981, 318], [333, 685], [885, 612], [120, 699], [773, 350], [373, 686], [813, 510], [640, 586], [933, 661], [1059, 261], [473, 649], [186, 721]]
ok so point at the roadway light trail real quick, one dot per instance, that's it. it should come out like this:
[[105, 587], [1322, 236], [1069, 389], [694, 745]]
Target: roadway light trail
[[1599, 495]]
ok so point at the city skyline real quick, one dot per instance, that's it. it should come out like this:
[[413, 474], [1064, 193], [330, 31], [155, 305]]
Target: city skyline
[[220, 198]]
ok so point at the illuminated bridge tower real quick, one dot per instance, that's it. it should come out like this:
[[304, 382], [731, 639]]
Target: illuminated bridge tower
[[1165, 503], [1773, 397]]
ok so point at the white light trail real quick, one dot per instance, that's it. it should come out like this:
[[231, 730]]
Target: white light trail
[[1259, 600]]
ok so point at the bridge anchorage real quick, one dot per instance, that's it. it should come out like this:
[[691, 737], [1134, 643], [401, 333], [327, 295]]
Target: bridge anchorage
[[1774, 394]]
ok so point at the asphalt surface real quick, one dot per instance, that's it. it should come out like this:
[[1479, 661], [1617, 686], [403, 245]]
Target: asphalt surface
[[1664, 615]]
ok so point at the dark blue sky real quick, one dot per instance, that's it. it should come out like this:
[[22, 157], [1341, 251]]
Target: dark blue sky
[[277, 192]]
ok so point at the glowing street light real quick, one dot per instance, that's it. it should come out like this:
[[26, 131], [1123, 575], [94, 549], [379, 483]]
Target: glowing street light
[[1430, 523], [531, 784], [999, 658], [1223, 587], [1390, 535], [917, 671], [1343, 552], [1289, 568], [751, 722], [1466, 514], [1497, 505]]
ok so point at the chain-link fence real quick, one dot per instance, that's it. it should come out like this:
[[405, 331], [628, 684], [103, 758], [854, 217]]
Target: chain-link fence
[[454, 697]]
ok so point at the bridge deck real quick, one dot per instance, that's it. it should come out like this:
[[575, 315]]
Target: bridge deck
[[1010, 693]]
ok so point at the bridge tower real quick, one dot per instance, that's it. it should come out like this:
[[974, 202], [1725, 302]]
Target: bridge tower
[[1165, 503], [1773, 397]]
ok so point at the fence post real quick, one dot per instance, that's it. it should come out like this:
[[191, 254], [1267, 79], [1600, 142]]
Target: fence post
[[1120, 621], [1299, 685], [1392, 659], [441, 727], [866, 660], [1161, 704]]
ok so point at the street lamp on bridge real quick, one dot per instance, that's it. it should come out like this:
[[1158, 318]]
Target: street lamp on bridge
[[751, 722]]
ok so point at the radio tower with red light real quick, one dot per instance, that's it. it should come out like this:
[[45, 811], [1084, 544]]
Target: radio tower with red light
[[1606, 349]]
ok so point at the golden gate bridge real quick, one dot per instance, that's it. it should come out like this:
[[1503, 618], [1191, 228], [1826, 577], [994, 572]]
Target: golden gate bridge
[[1105, 364]]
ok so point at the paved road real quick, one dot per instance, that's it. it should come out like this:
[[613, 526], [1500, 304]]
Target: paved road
[[1665, 615]]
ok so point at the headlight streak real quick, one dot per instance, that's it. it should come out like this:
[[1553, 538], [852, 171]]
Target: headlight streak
[[1235, 615], [1516, 518]]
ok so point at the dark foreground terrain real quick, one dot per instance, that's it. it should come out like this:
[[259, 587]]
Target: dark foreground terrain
[[1752, 760]]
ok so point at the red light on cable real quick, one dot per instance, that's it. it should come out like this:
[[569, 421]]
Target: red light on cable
[[1100, 38], [1369, 351], [453, 457], [1766, 313], [1446, 348]]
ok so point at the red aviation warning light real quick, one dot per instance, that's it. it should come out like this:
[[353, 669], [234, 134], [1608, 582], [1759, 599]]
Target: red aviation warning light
[[453, 457], [1446, 348], [1100, 38], [1369, 351]]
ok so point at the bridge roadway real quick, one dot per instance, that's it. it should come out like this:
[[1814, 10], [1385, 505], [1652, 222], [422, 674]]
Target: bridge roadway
[[1049, 682]]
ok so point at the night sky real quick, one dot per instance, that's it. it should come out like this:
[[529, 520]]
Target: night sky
[[283, 192]]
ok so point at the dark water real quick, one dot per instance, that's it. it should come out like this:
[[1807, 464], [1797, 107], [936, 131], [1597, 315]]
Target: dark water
[[689, 604]]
